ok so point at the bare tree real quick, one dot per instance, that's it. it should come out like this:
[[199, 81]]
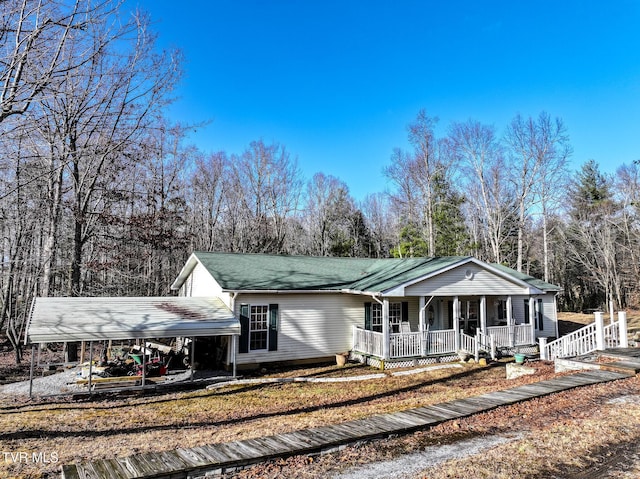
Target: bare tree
[[539, 150], [207, 195], [484, 181], [34, 38], [265, 190]]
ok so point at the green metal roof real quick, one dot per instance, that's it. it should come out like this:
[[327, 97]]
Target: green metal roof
[[261, 272], [535, 282]]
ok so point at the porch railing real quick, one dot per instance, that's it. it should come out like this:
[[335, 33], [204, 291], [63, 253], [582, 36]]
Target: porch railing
[[581, 341], [368, 342], [590, 338], [405, 345], [515, 335], [612, 335], [440, 342], [415, 344]]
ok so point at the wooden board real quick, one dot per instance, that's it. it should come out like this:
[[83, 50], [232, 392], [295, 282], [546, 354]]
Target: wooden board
[[217, 457]]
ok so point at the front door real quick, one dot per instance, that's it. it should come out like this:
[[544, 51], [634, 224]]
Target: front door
[[469, 315]]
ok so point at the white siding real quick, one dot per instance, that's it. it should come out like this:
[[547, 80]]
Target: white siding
[[200, 283], [414, 312], [550, 316], [517, 309], [310, 325], [465, 280]]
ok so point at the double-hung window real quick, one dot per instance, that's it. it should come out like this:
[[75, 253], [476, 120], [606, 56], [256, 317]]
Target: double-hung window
[[258, 327], [395, 317], [376, 317]]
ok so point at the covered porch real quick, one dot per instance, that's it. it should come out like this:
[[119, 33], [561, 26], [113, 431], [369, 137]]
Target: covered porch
[[444, 326]]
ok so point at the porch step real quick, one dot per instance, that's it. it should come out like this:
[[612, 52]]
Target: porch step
[[625, 367]]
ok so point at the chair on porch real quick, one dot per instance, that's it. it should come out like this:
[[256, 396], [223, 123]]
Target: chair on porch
[[405, 327]]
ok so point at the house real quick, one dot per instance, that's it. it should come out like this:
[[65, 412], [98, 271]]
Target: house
[[384, 311]]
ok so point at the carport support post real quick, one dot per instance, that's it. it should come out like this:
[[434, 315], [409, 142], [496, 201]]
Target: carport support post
[[234, 338], [144, 366], [193, 355], [90, 365]]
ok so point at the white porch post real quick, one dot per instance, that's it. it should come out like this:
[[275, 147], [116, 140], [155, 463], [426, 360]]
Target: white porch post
[[543, 348], [599, 331], [422, 324], [622, 328], [385, 330], [532, 318], [510, 321], [483, 314], [456, 322]]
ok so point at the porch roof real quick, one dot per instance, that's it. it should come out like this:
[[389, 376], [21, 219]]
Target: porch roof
[[262, 272]]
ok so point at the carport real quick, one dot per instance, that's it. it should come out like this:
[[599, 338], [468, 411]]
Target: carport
[[55, 320]]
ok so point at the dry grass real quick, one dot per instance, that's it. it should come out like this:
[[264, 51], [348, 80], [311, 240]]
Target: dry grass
[[571, 321], [587, 433], [123, 426], [559, 436]]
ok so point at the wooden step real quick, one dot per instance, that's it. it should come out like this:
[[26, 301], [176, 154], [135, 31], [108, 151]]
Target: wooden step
[[628, 367]]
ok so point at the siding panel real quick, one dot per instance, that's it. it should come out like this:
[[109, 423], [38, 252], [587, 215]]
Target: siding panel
[[311, 325], [465, 280]]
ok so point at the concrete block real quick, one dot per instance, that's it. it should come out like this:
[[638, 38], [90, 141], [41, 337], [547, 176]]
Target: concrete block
[[516, 370]]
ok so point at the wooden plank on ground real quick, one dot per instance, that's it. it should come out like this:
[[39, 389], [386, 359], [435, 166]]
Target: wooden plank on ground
[[218, 456]]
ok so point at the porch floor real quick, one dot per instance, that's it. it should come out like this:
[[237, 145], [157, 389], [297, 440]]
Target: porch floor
[[219, 458]]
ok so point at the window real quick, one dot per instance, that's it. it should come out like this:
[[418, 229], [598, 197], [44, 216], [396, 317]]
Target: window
[[395, 317], [526, 311], [258, 327], [502, 309], [376, 317]]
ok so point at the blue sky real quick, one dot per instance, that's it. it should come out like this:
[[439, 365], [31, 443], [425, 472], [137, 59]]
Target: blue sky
[[337, 82]]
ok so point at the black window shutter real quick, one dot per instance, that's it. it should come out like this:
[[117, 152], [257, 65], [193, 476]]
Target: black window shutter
[[244, 328], [273, 327], [367, 316], [405, 311], [540, 315]]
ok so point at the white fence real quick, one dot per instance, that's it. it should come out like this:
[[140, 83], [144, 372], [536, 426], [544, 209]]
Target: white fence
[[593, 337], [369, 342], [405, 345], [577, 343], [428, 343], [515, 335]]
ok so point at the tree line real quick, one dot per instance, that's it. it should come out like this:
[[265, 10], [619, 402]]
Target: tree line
[[101, 195]]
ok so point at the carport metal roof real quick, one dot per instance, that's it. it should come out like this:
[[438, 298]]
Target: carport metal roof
[[119, 318]]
